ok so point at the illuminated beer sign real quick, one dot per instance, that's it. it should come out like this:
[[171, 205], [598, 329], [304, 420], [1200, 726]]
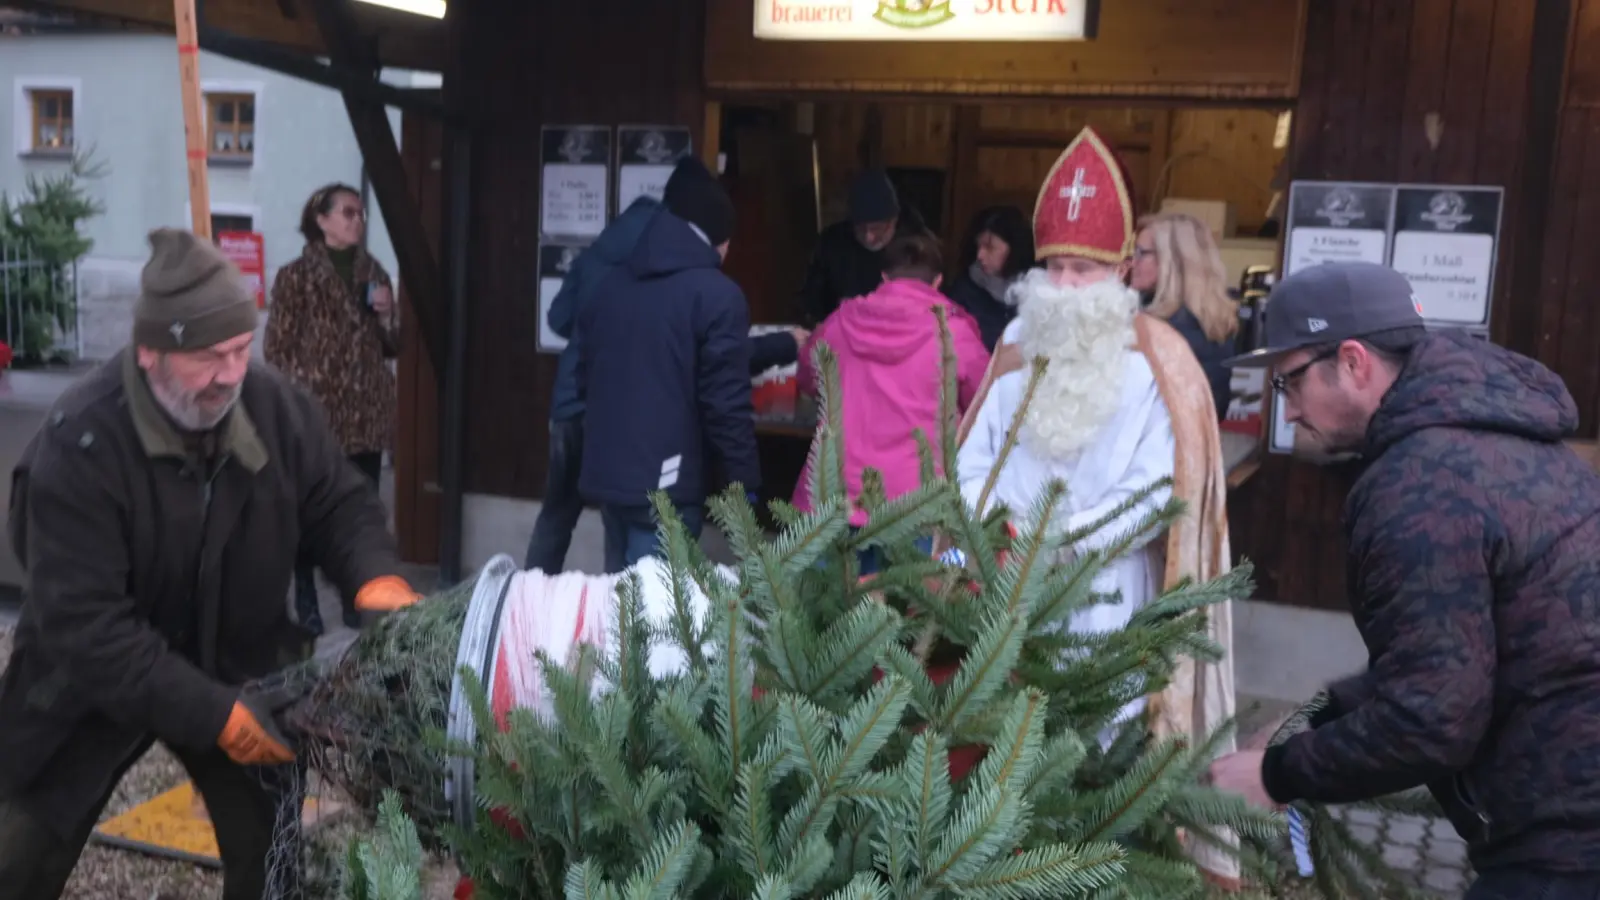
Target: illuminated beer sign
[[924, 20]]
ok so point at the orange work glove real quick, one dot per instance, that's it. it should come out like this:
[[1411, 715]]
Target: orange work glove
[[249, 742], [386, 593]]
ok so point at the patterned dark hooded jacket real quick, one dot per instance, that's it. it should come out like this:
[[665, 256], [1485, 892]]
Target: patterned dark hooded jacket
[[1474, 570]]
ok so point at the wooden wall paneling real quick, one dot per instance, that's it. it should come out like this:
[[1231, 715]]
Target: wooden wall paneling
[[1578, 362], [1378, 143], [1224, 154], [1582, 84], [965, 125], [416, 443], [523, 71], [1347, 87], [1518, 316], [917, 135], [1310, 124], [870, 152], [1160, 154], [1571, 150], [1471, 35], [1568, 339], [1507, 137], [1424, 87], [1268, 513], [1313, 513], [1361, 117], [840, 129]]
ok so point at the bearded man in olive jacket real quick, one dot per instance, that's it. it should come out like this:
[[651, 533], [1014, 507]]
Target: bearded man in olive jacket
[[158, 512]]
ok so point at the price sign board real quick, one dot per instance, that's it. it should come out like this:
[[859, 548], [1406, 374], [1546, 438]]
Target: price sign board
[[1443, 238], [1444, 243], [575, 180]]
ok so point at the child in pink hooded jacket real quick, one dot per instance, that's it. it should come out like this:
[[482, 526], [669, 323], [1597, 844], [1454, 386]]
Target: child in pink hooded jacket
[[887, 344]]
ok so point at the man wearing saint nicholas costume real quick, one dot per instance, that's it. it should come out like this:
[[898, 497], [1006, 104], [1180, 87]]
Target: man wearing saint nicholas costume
[[1123, 404]]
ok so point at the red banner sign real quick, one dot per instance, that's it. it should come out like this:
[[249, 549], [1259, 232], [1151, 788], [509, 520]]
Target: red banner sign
[[248, 251]]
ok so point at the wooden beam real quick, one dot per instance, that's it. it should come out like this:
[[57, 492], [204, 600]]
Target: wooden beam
[[419, 268], [405, 40], [306, 68], [194, 117]]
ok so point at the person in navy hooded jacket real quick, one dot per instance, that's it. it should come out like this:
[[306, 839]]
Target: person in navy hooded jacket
[[563, 505], [664, 371]]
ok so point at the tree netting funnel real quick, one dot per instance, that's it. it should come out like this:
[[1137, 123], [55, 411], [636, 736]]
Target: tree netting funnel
[[389, 710], [477, 652]]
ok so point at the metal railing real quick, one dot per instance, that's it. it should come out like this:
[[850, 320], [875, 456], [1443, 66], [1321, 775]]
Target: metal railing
[[40, 318]]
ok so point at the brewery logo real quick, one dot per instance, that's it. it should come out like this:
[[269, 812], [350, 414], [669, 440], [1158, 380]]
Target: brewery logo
[[913, 13], [576, 146], [1340, 206], [653, 148], [1447, 211]]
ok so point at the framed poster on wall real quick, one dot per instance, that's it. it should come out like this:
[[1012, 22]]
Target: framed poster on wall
[[555, 263], [1331, 221], [646, 155], [1445, 237], [574, 180]]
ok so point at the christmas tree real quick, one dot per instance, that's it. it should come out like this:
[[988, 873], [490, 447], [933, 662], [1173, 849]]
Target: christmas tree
[[932, 731]]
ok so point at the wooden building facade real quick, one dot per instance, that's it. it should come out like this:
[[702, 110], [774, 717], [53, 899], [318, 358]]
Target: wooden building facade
[[1194, 92]]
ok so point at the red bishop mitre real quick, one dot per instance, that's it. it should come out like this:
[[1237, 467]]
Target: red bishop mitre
[[1085, 207]]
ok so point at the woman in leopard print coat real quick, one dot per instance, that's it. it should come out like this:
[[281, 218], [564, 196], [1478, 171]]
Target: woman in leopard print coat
[[332, 328]]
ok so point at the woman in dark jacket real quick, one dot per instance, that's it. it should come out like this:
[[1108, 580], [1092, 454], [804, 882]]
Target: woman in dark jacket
[[1179, 272], [998, 248]]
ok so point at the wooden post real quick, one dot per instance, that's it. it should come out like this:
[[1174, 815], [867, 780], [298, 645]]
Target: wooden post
[[194, 140], [194, 123]]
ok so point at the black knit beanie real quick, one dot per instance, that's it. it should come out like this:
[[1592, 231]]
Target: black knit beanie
[[190, 296], [694, 195], [873, 198]]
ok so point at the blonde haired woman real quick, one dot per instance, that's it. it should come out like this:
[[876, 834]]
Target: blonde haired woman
[[1178, 272]]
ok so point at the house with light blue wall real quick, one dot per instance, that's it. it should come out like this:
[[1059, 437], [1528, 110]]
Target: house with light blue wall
[[272, 140]]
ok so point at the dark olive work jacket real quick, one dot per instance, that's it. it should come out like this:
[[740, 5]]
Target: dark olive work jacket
[[158, 581]]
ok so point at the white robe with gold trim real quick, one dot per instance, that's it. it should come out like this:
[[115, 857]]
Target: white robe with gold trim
[[1129, 452]]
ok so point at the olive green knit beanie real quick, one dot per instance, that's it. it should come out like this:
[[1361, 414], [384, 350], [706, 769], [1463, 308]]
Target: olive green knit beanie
[[190, 296]]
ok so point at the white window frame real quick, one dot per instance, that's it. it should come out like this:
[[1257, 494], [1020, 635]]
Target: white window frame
[[224, 208], [254, 89], [22, 112], [239, 209]]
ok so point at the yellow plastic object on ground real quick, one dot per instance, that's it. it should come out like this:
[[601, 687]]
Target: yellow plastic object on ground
[[174, 825]]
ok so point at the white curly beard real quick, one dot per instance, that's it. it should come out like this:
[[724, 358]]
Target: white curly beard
[[1086, 333]]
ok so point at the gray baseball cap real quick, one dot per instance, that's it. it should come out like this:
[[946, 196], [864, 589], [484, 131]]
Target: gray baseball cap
[[1329, 303]]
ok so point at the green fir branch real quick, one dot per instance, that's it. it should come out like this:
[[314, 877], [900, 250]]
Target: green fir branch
[[1047, 873], [666, 865], [985, 670]]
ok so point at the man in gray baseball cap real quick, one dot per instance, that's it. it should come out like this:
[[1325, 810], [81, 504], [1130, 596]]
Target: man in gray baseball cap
[[1472, 578], [1312, 317]]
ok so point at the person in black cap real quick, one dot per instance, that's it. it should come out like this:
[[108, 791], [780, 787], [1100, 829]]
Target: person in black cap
[[848, 260], [1474, 582], [664, 371]]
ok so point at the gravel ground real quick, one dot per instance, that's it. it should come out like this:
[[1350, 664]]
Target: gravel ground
[[105, 873]]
